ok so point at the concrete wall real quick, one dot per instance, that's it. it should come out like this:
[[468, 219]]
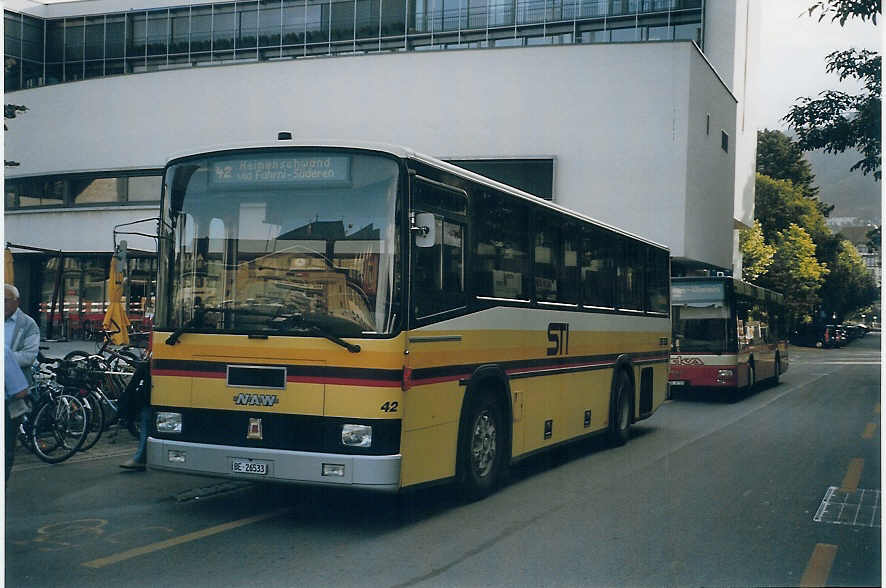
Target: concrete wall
[[732, 32], [710, 170], [618, 118]]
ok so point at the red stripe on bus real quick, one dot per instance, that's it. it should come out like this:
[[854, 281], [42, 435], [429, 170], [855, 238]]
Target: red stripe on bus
[[297, 379]]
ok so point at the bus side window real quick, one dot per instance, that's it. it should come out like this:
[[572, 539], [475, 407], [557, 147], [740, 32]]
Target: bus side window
[[597, 267], [439, 271], [631, 269], [501, 260], [439, 279]]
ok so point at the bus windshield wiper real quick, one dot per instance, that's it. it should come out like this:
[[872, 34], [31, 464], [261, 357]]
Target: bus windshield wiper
[[296, 322], [337, 340], [173, 338], [199, 315]]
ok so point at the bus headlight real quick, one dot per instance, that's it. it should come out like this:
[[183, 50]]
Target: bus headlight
[[725, 374], [168, 422], [356, 435]]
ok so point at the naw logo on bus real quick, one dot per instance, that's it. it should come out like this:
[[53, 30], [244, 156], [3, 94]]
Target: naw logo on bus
[[244, 399]]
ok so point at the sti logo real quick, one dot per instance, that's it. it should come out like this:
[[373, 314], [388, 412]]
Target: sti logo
[[256, 399]]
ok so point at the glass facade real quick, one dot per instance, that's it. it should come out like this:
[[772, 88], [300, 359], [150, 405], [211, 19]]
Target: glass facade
[[41, 52]]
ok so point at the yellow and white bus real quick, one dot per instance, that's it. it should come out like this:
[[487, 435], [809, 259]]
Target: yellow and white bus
[[363, 315]]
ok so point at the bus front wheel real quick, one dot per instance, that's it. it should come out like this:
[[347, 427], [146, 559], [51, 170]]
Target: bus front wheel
[[620, 421], [481, 447]]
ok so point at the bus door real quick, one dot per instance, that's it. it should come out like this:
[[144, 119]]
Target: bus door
[[437, 293]]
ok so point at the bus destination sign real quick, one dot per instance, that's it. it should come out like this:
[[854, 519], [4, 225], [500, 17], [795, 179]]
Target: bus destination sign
[[262, 170]]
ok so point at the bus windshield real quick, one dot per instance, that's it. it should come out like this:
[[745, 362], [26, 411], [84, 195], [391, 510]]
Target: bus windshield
[[700, 318], [280, 242]]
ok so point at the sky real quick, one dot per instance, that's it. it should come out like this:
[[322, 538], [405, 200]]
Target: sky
[[792, 50]]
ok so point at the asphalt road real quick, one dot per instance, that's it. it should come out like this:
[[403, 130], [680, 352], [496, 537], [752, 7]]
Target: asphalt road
[[780, 487]]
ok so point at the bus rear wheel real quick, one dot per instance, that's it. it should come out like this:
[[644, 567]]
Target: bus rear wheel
[[481, 447], [620, 418]]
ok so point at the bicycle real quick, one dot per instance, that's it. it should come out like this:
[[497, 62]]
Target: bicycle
[[59, 424], [114, 369]]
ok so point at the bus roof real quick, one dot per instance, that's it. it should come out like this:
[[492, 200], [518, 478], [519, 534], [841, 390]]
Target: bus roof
[[407, 153]]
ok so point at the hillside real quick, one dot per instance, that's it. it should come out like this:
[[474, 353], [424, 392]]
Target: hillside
[[851, 193]]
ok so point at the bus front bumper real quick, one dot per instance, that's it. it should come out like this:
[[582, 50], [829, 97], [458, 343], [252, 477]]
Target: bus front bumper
[[371, 472], [704, 376]]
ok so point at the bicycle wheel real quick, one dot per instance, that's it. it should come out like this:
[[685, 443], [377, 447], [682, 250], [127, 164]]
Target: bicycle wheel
[[96, 424], [59, 428], [76, 354]]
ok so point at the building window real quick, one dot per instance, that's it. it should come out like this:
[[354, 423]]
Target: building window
[[82, 47], [81, 190], [724, 141]]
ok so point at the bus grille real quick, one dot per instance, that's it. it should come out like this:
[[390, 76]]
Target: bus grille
[[281, 431]]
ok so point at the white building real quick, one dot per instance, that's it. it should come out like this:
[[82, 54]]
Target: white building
[[632, 111]]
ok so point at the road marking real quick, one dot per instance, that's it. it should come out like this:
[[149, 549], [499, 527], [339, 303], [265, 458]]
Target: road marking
[[129, 554], [819, 567], [869, 431], [853, 475]]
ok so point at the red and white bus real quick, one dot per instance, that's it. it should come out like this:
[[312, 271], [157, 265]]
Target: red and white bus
[[727, 334]]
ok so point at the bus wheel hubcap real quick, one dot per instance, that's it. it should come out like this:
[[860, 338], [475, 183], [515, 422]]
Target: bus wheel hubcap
[[483, 444]]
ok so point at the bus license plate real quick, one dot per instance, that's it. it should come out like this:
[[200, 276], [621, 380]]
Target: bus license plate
[[678, 382], [244, 466]]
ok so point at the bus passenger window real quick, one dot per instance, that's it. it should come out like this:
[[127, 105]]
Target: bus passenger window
[[547, 253], [501, 264], [597, 267], [657, 280], [630, 275]]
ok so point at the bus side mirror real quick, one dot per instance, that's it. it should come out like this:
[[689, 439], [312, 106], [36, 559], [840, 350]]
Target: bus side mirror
[[423, 227]]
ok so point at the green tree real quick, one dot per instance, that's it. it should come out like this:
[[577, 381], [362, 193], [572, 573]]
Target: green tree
[[836, 120], [795, 272], [756, 253], [780, 158], [848, 286], [778, 204]]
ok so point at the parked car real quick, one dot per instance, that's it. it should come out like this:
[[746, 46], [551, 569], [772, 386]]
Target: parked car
[[815, 335]]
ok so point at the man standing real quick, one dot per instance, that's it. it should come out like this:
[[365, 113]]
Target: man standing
[[21, 332]]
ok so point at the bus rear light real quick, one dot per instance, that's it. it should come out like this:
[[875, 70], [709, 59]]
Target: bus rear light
[[406, 383]]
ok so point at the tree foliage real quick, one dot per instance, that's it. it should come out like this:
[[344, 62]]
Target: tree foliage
[[848, 285], [779, 157], [836, 120], [756, 253], [782, 159], [796, 272], [842, 10], [778, 204]]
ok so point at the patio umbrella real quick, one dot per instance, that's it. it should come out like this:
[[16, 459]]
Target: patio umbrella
[[7, 267], [116, 318]]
